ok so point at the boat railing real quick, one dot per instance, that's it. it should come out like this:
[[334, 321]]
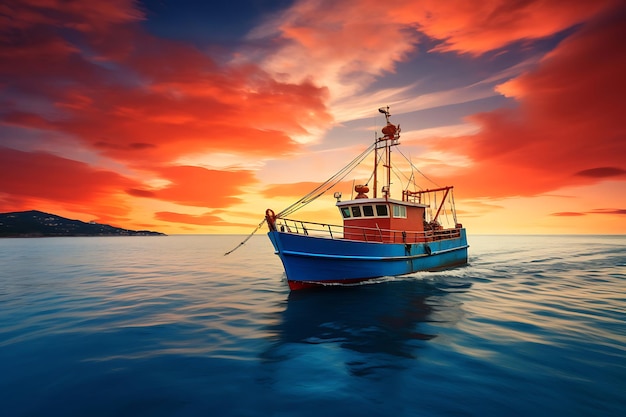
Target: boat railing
[[366, 234]]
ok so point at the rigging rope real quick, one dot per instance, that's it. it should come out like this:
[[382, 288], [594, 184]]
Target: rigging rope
[[313, 195], [414, 167], [325, 186], [453, 208]]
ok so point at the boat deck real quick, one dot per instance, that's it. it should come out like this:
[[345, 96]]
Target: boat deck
[[364, 234]]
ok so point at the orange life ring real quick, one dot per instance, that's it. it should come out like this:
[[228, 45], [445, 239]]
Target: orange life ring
[[271, 219]]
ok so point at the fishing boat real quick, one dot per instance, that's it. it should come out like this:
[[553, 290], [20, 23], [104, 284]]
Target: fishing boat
[[380, 236]]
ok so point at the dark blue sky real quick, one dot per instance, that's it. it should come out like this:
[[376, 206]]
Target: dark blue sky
[[207, 22]]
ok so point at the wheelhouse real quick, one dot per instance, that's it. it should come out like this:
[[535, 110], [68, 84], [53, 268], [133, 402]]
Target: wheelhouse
[[379, 216]]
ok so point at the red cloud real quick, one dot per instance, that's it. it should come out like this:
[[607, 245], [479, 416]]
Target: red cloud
[[201, 187], [567, 214], [480, 26], [140, 193], [97, 77], [44, 175], [40, 177], [602, 172], [28, 180], [206, 219], [203, 219], [73, 14], [568, 128], [33, 43], [619, 212]]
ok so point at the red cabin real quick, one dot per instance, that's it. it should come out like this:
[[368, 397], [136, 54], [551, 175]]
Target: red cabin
[[382, 220]]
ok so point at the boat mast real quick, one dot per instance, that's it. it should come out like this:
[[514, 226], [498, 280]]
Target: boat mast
[[391, 137], [375, 166]]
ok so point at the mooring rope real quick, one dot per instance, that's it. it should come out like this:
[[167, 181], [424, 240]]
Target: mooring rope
[[243, 242]]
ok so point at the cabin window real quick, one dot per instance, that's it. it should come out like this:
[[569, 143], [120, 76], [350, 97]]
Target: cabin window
[[399, 211], [368, 211], [345, 212], [381, 210], [356, 211]]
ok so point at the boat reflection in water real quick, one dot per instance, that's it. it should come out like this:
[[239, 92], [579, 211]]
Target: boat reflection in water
[[364, 326]]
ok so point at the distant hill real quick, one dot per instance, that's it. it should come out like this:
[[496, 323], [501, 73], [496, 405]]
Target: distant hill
[[38, 224]]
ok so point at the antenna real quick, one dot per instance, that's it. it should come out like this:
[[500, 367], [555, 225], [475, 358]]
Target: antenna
[[385, 111]]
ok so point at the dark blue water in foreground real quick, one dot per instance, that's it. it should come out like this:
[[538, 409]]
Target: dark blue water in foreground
[[168, 326]]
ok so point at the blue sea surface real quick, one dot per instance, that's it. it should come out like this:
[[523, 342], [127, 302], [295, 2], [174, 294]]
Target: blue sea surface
[[169, 326]]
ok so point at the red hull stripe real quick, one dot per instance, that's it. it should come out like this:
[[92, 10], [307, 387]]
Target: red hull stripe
[[301, 285]]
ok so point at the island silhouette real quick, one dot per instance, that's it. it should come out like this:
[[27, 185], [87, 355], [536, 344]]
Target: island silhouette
[[36, 223]]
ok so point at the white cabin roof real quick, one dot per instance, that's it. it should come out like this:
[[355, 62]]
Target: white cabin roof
[[361, 201]]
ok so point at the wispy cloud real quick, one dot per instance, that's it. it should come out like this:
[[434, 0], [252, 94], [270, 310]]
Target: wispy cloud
[[609, 211]]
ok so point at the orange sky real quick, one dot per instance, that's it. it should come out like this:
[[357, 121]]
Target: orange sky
[[109, 114]]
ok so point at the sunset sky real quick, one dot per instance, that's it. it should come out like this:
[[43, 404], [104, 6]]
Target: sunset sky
[[195, 116]]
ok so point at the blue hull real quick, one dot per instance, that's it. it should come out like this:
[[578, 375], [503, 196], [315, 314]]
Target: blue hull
[[310, 260]]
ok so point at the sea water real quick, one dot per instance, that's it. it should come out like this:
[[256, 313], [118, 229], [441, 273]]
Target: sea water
[[169, 326]]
